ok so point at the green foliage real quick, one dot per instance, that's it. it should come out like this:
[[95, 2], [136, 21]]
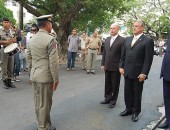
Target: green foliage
[[155, 14], [93, 14], [99, 14], [6, 13]]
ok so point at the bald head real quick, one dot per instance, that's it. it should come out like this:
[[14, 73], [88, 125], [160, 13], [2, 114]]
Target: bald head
[[114, 29]]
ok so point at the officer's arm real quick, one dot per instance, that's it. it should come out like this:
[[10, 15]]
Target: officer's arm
[[29, 59], [53, 60], [86, 43]]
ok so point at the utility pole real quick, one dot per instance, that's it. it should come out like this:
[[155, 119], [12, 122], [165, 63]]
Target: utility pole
[[20, 16]]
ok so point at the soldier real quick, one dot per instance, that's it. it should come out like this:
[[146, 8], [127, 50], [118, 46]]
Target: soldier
[[83, 51], [42, 57], [94, 45], [6, 37]]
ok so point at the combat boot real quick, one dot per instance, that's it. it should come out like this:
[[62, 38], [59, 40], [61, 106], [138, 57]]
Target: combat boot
[[10, 84], [6, 86]]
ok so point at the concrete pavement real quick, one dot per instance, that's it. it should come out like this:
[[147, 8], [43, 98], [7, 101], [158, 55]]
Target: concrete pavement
[[76, 103]]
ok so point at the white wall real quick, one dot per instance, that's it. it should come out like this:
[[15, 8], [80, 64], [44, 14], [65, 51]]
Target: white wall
[[14, 7]]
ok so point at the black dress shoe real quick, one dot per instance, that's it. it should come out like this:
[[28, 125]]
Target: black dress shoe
[[111, 105], [87, 72], [125, 113], [164, 125], [105, 102], [134, 117]]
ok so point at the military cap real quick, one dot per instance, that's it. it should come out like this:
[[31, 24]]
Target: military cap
[[5, 19], [45, 18]]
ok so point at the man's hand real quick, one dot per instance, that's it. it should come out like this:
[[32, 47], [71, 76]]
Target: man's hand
[[121, 70], [8, 42], [55, 86], [102, 68], [14, 40], [141, 77]]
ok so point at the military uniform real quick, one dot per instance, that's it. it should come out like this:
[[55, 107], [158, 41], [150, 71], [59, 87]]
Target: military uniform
[[93, 44], [42, 59], [7, 62]]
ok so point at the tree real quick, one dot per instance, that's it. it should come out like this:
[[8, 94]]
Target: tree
[[6, 13], [155, 14], [81, 14]]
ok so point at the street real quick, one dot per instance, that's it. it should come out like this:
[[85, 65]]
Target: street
[[76, 103]]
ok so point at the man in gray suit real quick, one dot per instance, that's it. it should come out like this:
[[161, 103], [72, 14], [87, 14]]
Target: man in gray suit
[[110, 64], [42, 57]]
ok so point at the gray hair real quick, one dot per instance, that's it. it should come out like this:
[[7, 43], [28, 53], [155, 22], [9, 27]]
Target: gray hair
[[115, 24], [142, 23]]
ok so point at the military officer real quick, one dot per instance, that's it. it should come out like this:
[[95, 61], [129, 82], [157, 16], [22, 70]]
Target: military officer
[[93, 44], [42, 58], [7, 36]]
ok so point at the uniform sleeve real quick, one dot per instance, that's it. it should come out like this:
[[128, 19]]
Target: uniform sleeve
[[53, 60], [100, 42], [29, 58]]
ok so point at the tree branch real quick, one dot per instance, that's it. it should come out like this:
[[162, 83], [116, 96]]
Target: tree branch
[[29, 8], [72, 13]]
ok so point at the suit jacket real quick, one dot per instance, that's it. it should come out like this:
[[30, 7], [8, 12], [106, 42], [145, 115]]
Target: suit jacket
[[111, 55], [165, 70], [137, 60], [42, 58]]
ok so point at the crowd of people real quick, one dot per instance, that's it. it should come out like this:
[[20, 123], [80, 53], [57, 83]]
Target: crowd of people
[[131, 57], [13, 65]]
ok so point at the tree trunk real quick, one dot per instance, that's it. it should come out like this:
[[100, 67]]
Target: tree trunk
[[63, 44], [20, 16]]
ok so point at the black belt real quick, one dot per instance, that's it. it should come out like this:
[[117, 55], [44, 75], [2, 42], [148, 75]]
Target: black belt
[[92, 49]]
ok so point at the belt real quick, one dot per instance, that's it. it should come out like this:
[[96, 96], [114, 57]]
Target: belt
[[92, 48]]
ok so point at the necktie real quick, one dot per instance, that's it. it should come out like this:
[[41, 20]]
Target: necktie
[[111, 41], [133, 41]]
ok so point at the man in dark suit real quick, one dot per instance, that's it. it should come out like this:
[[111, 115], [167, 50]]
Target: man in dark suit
[[110, 63], [165, 73], [135, 64]]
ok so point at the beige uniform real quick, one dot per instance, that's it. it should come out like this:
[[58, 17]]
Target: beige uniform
[[42, 58], [93, 44], [6, 62], [83, 53]]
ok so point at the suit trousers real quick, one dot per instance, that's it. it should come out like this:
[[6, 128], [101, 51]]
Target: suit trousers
[[7, 65], [43, 93], [166, 94], [91, 60], [112, 82], [133, 94]]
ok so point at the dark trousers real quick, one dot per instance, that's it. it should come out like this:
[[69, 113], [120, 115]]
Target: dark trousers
[[166, 94], [133, 94], [16, 64], [71, 59], [112, 82]]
